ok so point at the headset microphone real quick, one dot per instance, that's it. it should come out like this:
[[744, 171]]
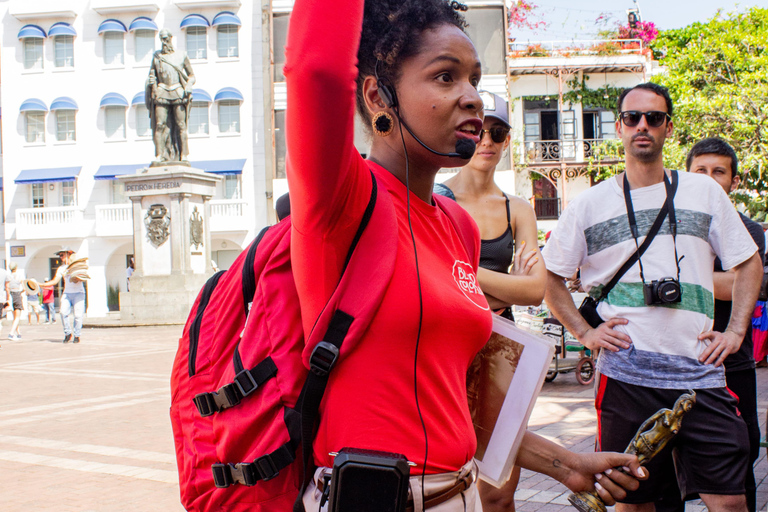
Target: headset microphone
[[465, 148]]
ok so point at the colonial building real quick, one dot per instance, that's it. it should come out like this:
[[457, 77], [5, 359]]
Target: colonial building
[[73, 80], [563, 107]]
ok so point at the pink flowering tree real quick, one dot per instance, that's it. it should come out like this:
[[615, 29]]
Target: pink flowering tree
[[645, 31], [522, 14]]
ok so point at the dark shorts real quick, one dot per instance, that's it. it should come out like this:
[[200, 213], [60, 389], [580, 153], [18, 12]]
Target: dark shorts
[[17, 303], [708, 456]]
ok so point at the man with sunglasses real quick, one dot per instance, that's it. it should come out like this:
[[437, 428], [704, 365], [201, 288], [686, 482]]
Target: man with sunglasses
[[657, 340]]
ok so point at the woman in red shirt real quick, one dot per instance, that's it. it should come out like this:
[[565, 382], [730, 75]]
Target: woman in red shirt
[[402, 388]]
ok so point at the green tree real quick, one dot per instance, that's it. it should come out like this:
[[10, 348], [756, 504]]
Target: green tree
[[717, 75]]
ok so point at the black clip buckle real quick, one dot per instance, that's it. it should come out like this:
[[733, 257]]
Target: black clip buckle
[[221, 476], [245, 382], [266, 467], [323, 358], [246, 473], [205, 403]]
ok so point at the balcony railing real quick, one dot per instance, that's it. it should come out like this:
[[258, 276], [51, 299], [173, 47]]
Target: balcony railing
[[572, 48], [114, 220], [228, 215], [51, 222], [569, 150], [546, 208]]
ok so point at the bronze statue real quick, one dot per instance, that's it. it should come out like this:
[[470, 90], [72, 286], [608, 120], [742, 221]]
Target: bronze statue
[[168, 96], [652, 436]]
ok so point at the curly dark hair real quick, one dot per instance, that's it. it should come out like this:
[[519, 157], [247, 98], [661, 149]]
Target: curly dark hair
[[392, 31]]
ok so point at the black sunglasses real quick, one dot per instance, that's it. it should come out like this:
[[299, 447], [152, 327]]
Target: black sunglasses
[[498, 134], [654, 118]]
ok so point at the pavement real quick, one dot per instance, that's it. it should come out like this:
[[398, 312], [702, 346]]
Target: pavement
[[85, 427]]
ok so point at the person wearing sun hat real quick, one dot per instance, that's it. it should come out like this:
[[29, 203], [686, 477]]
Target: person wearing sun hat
[[73, 298]]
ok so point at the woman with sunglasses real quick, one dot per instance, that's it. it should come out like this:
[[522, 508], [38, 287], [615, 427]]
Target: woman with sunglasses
[[398, 62], [506, 276]]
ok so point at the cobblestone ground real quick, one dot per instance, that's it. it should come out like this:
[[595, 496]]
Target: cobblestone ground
[[84, 428]]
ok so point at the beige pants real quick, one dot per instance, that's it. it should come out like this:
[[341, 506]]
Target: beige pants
[[468, 501]]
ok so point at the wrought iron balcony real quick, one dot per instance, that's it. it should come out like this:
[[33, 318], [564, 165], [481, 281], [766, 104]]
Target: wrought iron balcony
[[555, 151]]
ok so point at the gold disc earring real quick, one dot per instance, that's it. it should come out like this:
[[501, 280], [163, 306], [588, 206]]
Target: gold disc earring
[[383, 123]]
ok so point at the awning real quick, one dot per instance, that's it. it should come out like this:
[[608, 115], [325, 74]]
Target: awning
[[31, 32], [138, 99], [194, 20], [228, 93], [113, 99], [33, 105], [63, 103], [62, 29], [221, 166], [30, 176], [226, 18], [142, 23], [111, 26], [110, 172], [200, 95]]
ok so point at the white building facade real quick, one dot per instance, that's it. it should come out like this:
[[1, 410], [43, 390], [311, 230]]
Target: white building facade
[[73, 80]]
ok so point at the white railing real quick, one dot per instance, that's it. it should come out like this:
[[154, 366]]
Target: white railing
[[114, 220], [227, 208], [228, 215], [113, 213], [52, 222]]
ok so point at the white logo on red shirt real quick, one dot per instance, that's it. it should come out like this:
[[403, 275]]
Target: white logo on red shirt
[[465, 277]]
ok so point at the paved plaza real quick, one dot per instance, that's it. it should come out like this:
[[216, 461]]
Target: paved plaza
[[85, 428]]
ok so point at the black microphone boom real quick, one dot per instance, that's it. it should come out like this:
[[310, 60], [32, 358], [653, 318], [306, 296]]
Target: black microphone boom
[[465, 148]]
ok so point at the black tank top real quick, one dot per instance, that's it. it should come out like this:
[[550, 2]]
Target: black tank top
[[495, 254]]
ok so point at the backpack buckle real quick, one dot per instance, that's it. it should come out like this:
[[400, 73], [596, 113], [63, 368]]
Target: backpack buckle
[[205, 403], [323, 358], [245, 382], [266, 467], [221, 475]]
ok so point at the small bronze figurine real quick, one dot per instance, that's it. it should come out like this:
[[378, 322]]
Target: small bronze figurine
[[652, 436]]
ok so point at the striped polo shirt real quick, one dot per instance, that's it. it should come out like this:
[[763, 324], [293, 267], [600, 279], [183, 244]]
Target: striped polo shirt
[[593, 234]]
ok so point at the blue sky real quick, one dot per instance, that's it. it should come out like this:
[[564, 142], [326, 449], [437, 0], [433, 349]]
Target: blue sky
[[569, 19]]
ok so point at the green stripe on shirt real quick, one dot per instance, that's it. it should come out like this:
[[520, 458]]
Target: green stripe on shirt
[[696, 298]]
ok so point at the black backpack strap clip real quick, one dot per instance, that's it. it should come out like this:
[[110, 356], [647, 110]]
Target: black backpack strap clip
[[265, 467], [229, 395]]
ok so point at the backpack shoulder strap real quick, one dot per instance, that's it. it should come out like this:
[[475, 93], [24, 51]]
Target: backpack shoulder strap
[[464, 225]]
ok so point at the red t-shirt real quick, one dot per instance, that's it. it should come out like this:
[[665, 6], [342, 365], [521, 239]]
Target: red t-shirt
[[370, 402], [47, 294]]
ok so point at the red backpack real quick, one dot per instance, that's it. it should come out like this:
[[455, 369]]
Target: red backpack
[[246, 386]]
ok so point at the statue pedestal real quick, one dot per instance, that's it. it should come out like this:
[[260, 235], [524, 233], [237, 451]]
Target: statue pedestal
[[171, 242]]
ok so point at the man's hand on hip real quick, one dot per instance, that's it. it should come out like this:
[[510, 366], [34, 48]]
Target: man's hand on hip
[[605, 336], [721, 345]]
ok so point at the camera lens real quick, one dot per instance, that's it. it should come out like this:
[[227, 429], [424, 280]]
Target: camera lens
[[668, 292]]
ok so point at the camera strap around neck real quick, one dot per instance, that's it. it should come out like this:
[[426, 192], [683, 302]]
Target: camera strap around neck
[[667, 208]]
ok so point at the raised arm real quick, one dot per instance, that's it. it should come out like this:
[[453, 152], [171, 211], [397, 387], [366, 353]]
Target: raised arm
[[323, 167]]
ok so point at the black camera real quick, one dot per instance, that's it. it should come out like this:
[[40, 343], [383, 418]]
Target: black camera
[[663, 291]]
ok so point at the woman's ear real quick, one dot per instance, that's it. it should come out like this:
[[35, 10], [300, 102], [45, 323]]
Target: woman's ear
[[373, 101]]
